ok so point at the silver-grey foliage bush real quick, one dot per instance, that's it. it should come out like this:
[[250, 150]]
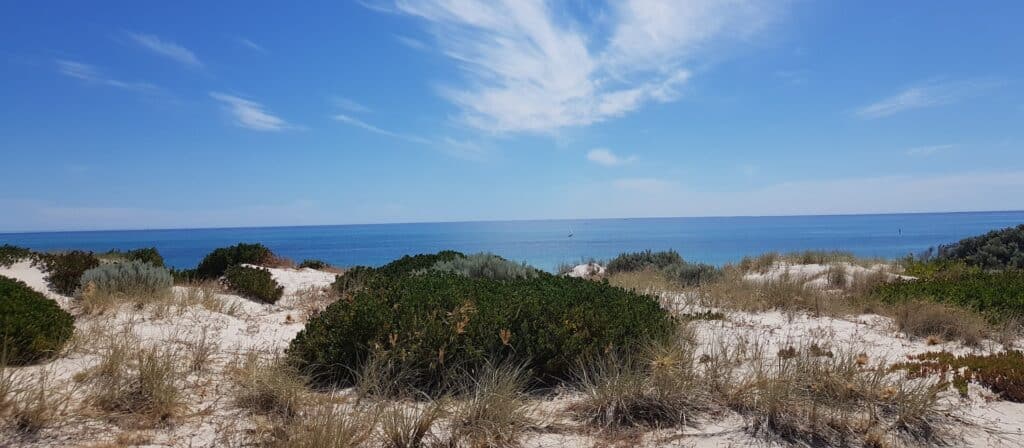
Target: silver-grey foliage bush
[[486, 265], [128, 278]]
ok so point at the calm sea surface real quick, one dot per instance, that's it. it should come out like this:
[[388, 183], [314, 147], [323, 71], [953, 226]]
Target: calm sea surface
[[545, 244]]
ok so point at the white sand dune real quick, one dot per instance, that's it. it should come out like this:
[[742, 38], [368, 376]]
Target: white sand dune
[[213, 421]]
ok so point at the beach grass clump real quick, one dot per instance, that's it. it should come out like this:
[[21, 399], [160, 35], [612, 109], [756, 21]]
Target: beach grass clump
[[10, 254], [32, 327], [940, 321], [491, 407], [64, 269], [135, 380], [144, 255], [216, 263], [403, 425], [253, 283], [433, 324], [661, 387], [1003, 373], [324, 426], [815, 400], [268, 387], [485, 265]]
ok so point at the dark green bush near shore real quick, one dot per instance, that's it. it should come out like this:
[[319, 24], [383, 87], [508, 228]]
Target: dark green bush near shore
[[669, 263], [358, 277], [998, 249], [998, 295], [64, 270], [12, 254], [253, 283], [217, 262], [31, 325], [435, 324], [314, 264]]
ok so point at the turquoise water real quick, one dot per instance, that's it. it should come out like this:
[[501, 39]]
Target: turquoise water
[[545, 244]]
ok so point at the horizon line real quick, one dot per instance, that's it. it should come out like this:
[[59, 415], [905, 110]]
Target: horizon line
[[160, 229]]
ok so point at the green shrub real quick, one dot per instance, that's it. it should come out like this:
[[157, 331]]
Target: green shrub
[[130, 278], [12, 254], [65, 269], [31, 325], [357, 277], [999, 295], [253, 283], [434, 323], [146, 255], [668, 263], [638, 261], [1003, 373], [217, 262], [314, 264], [691, 274], [998, 249], [486, 265]]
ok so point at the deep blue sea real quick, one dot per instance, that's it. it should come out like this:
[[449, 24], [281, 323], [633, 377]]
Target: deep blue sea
[[545, 244]]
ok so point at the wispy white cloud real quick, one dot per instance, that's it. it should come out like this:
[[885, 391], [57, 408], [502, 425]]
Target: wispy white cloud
[[249, 44], [166, 49], [928, 150], [351, 121], [604, 156], [92, 75], [645, 184], [926, 95], [415, 44], [350, 105], [529, 68], [250, 114]]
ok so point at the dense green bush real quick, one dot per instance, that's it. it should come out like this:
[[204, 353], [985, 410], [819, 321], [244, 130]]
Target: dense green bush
[[434, 324], [31, 325], [485, 265], [12, 254], [998, 249], [65, 269], [691, 274], [355, 278], [217, 262], [129, 278], [314, 264], [253, 283], [146, 255], [638, 261], [997, 294]]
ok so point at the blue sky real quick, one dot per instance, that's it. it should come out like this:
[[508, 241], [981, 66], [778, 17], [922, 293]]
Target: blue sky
[[198, 114]]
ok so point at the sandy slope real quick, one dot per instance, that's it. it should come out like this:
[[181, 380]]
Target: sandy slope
[[213, 421]]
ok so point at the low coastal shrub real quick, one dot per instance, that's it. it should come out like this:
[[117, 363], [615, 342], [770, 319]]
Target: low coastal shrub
[[1003, 373], [937, 320], [64, 270], [998, 295], [146, 255], [486, 265], [31, 325], [217, 262], [435, 323], [253, 283], [998, 249], [358, 277], [313, 264], [12, 254], [668, 264], [130, 278]]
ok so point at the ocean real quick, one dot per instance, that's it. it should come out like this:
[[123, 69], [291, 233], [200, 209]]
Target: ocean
[[546, 244]]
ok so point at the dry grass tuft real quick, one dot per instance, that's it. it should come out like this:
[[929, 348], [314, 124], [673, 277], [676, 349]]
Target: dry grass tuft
[[35, 403], [268, 387], [206, 294], [938, 322], [200, 351], [324, 426], [647, 281], [833, 401], [785, 293], [406, 426], [137, 380], [312, 300], [492, 409]]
